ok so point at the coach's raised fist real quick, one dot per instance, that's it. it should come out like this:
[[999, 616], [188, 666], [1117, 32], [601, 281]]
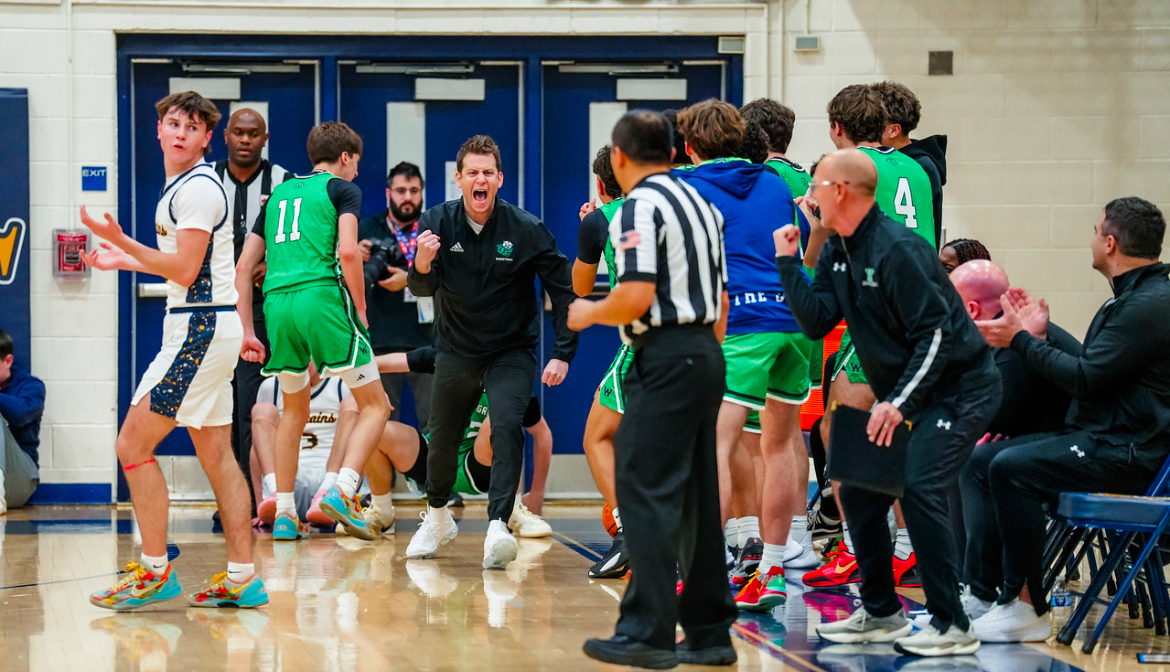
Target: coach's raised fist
[[787, 239], [428, 247]]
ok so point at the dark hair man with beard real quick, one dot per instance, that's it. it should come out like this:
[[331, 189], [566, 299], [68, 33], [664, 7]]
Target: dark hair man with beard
[[399, 321]]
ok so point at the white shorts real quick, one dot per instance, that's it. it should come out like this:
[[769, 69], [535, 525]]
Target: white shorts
[[190, 381]]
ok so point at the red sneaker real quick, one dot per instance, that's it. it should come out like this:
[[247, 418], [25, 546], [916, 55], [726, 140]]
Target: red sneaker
[[839, 570], [906, 572], [266, 510], [764, 592]]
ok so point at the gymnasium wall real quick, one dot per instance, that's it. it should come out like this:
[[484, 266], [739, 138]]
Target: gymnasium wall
[[1054, 108]]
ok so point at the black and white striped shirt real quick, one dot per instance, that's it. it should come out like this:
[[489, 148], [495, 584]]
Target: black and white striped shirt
[[666, 233], [245, 199]]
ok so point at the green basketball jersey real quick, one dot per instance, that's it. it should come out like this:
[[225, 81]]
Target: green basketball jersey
[[609, 210], [477, 418], [300, 233], [795, 176], [903, 190]]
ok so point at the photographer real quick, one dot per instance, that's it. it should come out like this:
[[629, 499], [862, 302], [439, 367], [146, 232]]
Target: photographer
[[399, 321]]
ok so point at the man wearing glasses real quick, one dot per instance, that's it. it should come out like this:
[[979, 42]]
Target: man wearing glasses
[[926, 364], [399, 321]]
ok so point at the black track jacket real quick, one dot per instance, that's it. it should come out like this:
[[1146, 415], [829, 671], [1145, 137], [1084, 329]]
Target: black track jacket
[[485, 283], [911, 332], [1120, 378]]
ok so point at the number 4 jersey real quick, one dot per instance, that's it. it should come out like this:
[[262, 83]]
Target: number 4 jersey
[[299, 227], [903, 190]]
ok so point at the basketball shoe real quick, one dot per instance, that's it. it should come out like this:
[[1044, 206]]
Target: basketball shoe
[[223, 593], [138, 588], [764, 592], [287, 528], [348, 512], [906, 572], [841, 568]]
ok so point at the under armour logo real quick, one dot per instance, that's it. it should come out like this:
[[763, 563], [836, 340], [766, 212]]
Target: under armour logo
[[839, 267], [1078, 451], [944, 424]]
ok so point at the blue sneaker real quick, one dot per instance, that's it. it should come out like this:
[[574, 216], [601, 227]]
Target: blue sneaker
[[347, 512], [248, 595], [287, 528], [138, 588]]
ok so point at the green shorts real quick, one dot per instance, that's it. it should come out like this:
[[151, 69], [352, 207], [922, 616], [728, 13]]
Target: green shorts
[[610, 392], [468, 479], [753, 423], [318, 321], [769, 365], [848, 362], [816, 364]]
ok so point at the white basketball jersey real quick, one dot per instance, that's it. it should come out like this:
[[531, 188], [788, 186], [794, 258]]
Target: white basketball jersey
[[196, 200], [320, 430]]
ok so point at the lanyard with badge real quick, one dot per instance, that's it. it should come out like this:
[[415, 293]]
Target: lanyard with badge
[[409, 246]]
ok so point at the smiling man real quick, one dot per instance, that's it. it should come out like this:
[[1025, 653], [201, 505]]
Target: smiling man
[[482, 254]]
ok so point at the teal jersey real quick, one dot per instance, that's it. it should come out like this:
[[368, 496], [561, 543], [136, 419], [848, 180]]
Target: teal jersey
[[903, 190], [793, 174], [609, 210]]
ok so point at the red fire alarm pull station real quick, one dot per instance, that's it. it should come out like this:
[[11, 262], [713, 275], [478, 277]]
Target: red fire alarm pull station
[[68, 246]]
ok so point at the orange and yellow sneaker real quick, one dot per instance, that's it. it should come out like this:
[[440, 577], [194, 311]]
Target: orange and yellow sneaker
[[906, 572], [840, 569], [223, 593], [137, 589], [764, 592]]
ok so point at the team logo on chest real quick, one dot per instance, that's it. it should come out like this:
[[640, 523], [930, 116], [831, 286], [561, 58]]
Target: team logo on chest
[[869, 281], [160, 229], [504, 249]]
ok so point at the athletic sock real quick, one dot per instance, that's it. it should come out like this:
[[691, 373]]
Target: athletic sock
[[617, 520], [731, 532], [239, 572], [155, 565], [384, 502], [329, 482], [848, 541], [773, 557], [347, 481], [268, 486], [749, 527], [286, 503], [902, 547], [799, 528]]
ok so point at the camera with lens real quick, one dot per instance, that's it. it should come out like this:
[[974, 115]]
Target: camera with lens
[[376, 269]]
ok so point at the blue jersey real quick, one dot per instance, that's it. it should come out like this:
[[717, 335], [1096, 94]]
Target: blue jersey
[[754, 202]]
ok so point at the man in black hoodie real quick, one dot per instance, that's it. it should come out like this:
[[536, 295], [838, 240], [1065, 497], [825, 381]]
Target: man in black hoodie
[[482, 256], [931, 153], [1117, 432]]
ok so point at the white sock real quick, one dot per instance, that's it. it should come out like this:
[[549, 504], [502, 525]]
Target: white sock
[[286, 503], [846, 538], [773, 557], [268, 486], [902, 547], [329, 482], [239, 573], [799, 528], [384, 502], [347, 481], [617, 520], [731, 532], [749, 527], [155, 565]]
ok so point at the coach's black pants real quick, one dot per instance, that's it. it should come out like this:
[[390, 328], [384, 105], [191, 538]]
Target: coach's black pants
[[943, 436], [455, 390], [1005, 485], [668, 490]]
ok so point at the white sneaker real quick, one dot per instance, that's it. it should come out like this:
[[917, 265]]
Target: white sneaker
[[972, 606], [1015, 621], [499, 548], [379, 521], [798, 555], [437, 528], [861, 626], [524, 523], [930, 642]]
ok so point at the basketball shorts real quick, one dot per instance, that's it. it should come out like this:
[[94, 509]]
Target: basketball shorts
[[317, 322], [771, 365], [609, 392], [753, 423], [472, 478], [848, 362], [190, 380]]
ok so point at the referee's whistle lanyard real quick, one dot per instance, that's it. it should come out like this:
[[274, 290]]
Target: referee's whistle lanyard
[[408, 244]]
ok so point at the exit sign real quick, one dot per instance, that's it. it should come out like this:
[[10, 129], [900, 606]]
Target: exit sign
[[93, 178]]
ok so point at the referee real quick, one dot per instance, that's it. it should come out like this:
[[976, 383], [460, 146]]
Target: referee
[[672, 307], [927, 364]]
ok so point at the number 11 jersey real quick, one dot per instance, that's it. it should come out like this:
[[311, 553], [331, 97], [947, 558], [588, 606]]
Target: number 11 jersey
[[903, 190]]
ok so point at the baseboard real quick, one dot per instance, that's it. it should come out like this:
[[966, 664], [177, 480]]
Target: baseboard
[[72, 493]]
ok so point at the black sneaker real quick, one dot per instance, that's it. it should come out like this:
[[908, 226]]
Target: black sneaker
[[748, 562], [723, 654], [455, 501], [615, 563], [621, 650], [820, 526]]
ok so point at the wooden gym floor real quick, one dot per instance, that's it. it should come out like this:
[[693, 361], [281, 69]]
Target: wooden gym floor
[[339, 604]]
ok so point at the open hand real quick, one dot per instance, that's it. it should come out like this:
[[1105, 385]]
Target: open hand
[[1033, 316], [555, 372], [884, 419], [114, 258], [108, 229]]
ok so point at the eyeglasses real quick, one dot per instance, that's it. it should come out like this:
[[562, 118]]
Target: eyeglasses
[[825, 183]]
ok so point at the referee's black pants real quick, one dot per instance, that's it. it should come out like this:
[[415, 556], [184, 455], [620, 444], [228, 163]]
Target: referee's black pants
[[507, 379], [668, 490], [943, 435]]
